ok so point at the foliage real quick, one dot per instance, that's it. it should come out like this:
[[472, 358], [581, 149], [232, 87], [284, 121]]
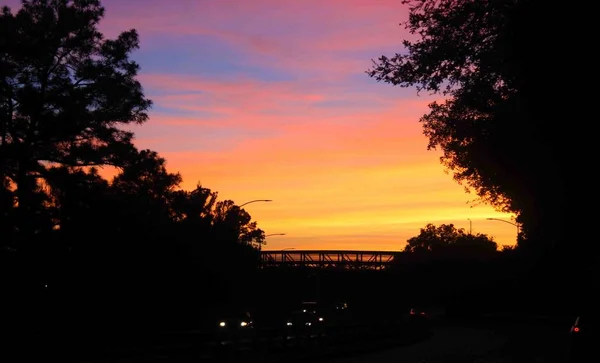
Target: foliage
[[64, 92], [508, 248], [448, 239], [482, 57], [235, 220], [66, 96]]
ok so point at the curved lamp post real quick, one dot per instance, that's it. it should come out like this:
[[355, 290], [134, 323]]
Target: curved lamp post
[[509, 222], [254, 201], [273, 234]]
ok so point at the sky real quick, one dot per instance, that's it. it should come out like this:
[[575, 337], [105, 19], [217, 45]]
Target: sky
[[268, 99]]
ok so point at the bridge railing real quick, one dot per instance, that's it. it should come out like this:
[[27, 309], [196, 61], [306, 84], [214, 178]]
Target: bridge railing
[[329, 259]]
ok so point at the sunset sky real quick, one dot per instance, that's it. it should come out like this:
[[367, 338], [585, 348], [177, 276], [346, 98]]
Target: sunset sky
[[268, 99]]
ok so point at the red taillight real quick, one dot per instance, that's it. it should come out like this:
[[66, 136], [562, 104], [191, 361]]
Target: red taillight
[[576, 329]]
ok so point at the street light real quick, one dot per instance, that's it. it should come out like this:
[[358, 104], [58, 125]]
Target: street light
[[470, 225], [254, 201], [505, 221], [275, 234]]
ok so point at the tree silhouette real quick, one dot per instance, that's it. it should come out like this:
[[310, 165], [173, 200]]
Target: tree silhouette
[[64, 92], [77, 199], [448, 239], [145, 190], [126, 248], [484, 57], [235, 223], [195, 206], [7, 210]]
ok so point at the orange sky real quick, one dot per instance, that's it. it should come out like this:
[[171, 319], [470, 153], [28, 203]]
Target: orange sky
[[268, 99]]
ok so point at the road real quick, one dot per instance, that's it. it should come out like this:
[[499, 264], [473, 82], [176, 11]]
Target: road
[[451, 342], [270, 348], [527, 343]]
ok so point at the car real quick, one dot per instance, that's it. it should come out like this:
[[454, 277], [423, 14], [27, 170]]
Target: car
[[306, 320], [309, 306], [419, 322], [418, 319], [235, 325], [415, 313], [584, 334], [339, 314], [340, 306]]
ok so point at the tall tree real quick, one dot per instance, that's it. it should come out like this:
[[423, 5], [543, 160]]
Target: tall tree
[[483, 57], [65, 91]]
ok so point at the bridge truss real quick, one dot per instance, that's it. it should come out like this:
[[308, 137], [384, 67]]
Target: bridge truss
[[359, 260]]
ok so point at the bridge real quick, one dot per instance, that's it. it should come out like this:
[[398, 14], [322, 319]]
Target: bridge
[[360, 260]]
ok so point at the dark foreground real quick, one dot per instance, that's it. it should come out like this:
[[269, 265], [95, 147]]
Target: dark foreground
[[491, 341], [499, 339], [266, 345]]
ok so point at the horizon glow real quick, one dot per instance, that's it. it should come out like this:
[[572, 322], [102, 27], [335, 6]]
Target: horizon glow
[[268, 99]]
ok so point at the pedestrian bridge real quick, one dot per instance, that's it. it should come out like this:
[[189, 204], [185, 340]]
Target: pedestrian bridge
[[369, 260]]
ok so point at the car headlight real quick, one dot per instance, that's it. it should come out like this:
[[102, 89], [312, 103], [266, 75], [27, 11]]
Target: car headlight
[[289, 323], [243, 323], [320, 319], [222, 324]]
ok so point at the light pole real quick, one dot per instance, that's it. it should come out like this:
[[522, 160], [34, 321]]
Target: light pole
[[470, 225], [254, 201], [509, 222], [272, 234]]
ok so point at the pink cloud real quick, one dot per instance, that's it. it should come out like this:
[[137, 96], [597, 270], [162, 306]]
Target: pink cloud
[[287, 35], [230, 96]]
